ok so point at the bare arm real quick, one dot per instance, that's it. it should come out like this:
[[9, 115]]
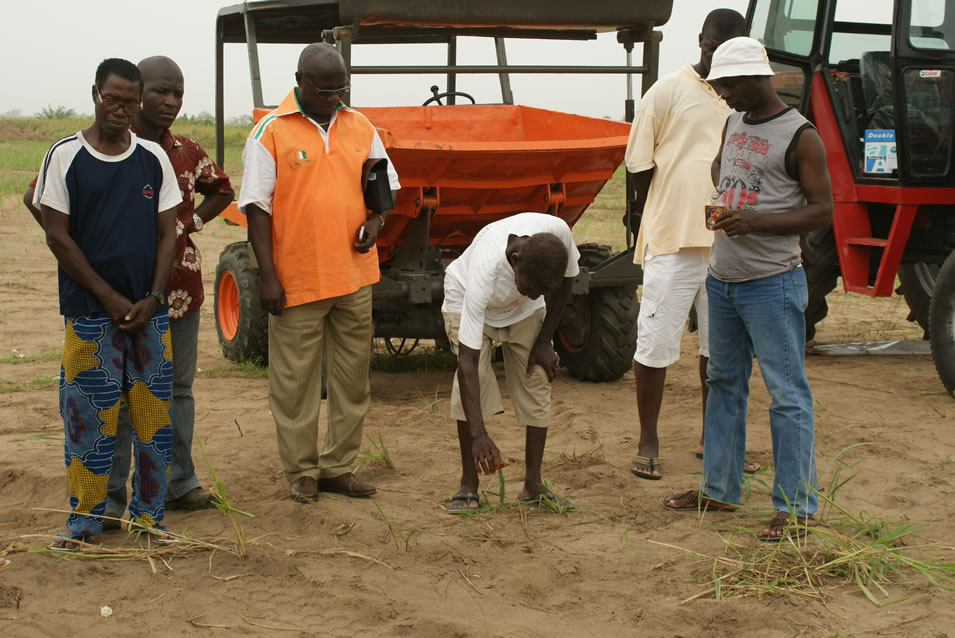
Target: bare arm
[[487, 458], [810, 161], [718, 160], [74, 263], [641, 184], [28, 202], [212, 205], [542, 353], [271, 292]]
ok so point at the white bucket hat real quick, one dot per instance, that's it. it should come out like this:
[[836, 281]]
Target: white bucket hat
[[739, 57]]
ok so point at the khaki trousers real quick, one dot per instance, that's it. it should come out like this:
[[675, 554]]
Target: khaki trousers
[[530, 395], [342, 327]]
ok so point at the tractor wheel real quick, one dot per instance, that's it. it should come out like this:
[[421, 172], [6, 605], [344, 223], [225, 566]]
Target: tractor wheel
[[599, 345], [242, 324], [942, 323], [821, 264], [916, 284]]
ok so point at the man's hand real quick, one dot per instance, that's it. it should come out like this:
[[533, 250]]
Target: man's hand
[[487, 458], [117, 307], [271, 294], [139, 315], [546, 358], [367, 234], [738, 222]]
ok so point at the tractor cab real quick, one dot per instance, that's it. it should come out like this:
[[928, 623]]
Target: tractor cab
[[877, 78]]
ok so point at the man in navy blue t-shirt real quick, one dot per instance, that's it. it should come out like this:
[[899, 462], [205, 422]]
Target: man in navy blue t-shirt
[[108, 201]]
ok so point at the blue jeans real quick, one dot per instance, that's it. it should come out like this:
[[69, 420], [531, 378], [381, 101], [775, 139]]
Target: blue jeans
[[762, 317], [181, 477]]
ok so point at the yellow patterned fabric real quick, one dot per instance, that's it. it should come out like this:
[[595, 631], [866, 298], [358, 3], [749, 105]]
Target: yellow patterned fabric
[[77, 353], [147, 414], [89, 489]]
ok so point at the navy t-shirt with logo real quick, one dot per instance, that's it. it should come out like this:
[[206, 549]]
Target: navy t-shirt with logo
[[112, 201]]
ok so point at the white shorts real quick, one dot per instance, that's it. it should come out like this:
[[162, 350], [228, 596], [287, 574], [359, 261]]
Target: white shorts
[[672, 284]]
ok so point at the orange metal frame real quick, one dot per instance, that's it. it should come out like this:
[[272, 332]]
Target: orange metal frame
[[470, 165]]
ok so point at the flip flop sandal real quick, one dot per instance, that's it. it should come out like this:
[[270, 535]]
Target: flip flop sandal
[[655, 463], [469, 503], [68, 543], [781, 523], [547, 500], [694, 501]]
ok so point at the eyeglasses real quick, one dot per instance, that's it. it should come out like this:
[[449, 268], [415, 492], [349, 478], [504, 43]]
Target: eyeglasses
[[113, 104], [339, 93]]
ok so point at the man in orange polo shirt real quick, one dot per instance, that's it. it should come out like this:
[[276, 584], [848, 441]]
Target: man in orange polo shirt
[[315, 245]]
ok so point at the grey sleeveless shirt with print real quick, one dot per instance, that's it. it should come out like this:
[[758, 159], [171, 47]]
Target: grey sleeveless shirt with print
[[756, 176]]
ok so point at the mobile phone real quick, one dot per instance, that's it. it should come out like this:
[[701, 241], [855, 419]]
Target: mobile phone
[[361, 234]]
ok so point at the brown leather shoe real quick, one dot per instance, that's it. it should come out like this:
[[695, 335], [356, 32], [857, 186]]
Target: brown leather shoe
[[346, 484], [304, 489]]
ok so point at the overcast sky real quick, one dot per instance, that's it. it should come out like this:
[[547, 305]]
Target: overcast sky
[[50, 50]]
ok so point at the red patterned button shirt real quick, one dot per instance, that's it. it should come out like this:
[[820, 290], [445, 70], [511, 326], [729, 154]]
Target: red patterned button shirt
[[197, 173]]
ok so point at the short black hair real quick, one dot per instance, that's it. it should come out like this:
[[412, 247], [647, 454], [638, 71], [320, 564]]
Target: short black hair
[[119, 67], [725, 22], [543, 259]]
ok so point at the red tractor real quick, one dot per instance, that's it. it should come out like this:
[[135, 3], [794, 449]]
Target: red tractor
[[878, 81]]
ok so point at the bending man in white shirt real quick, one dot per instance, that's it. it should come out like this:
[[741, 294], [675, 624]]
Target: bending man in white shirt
[[494, 292]]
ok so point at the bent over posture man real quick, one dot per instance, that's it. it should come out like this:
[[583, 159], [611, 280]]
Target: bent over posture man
[[315, 244], [494, 292], [108, 202], [771, 170]]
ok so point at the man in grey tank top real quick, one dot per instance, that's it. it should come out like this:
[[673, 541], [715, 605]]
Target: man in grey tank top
[[771, 171]]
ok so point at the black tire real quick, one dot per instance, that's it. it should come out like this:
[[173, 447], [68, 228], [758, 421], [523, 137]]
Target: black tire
[[821, 264], [942, 324], [599, 345], [916, 283], [244, 336]]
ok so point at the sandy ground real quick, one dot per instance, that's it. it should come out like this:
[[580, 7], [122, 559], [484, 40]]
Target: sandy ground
[[596, 572]]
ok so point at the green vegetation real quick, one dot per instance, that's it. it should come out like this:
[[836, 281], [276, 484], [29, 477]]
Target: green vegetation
[[21, 357], [55, 113], [876, 555], [36, 383], [380, 455], [26, 141]]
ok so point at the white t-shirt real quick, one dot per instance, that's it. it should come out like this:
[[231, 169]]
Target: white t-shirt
[[480, 283]]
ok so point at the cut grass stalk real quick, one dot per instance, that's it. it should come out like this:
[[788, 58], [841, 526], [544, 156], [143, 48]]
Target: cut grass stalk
[[221, 503]]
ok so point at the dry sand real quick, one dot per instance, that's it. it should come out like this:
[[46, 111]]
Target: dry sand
[[594, 572]]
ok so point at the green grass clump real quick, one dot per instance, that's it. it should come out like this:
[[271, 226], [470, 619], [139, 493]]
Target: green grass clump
[[21, 357], [840, 548], [36, 383], [380, 454]]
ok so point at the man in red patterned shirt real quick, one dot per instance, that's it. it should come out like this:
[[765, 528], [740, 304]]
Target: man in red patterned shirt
[[196, 172]]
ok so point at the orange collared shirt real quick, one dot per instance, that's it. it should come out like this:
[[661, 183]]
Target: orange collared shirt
[[309, 180]]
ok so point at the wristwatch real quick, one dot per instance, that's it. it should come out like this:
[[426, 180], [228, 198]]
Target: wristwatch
[[196, 223], [158, 294], [381, 219]]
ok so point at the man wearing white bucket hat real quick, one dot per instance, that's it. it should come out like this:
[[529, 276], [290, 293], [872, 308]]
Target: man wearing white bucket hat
[[771, 172]]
